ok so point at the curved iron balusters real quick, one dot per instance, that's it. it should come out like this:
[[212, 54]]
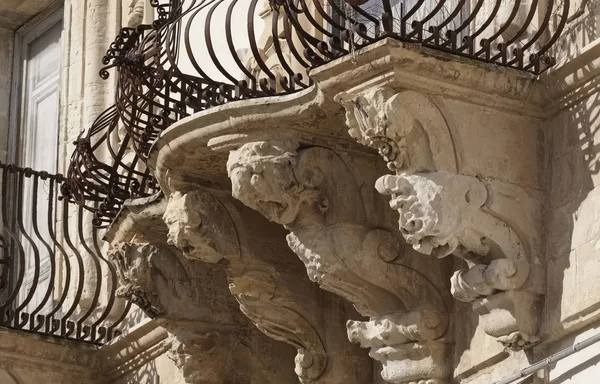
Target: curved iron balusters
[[197, 55], [55, 278]]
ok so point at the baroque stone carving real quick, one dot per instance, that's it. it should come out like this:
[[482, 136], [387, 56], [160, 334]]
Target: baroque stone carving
[[443, 212], [313, 194], [211, 341], [133, 267], [270, 292]]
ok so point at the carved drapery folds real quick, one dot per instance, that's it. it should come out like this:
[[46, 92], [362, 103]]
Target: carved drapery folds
[[314, 194], [272, 293], [444, 212]]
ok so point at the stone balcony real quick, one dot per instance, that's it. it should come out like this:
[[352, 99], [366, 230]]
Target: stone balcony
[[403, 179]]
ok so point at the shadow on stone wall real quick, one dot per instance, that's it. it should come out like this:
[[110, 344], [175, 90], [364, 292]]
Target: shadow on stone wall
[[147, 374], [572, 213], [581, 31]]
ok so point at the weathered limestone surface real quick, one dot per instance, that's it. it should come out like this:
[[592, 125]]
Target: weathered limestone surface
[[466, 179], [444, 211], [15, 13], [28, 358], [572, 221], [210, 339], [483, 164], [315, 194], [267, 282]]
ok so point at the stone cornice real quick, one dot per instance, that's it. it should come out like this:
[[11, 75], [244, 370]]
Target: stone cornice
[[570, 80], [70, 360], [388, 61], [433, 72]]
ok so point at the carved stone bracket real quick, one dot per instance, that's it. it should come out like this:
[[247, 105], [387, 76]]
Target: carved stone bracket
[[313, 193], [271, 291], [443, 212], [211, 341]]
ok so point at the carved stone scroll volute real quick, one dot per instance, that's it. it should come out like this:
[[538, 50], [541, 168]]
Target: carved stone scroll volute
[[314, 194], [274, 294], [443, 212]]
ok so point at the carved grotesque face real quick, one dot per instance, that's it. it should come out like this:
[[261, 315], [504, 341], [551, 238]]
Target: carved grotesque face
[[262, 177], [189, 230], [182, 220], [432, 207], [133, 266]]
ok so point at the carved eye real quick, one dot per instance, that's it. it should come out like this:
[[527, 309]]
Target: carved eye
[[324, 204], [413, 226]]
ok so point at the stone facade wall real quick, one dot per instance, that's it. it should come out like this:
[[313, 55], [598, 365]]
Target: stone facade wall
[[573, 232]]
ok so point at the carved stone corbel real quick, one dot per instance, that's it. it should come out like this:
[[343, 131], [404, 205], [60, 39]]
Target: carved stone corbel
[[443, 212], [211, 341], [272, 291], [314, 194]]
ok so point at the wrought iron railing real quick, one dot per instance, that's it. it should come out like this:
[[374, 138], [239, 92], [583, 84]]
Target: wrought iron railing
[[517, 34], [202, 53], [55, 278]]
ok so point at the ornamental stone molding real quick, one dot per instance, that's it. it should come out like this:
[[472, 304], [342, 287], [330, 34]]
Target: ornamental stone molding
[[314, 193], [210, 340], [444, 212], [272, 292]]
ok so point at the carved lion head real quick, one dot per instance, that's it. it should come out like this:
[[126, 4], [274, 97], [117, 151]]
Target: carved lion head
[[263, 177]]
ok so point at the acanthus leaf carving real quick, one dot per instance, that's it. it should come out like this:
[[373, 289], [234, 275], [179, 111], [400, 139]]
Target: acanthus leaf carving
[[443, 212], [313, 194], [395, 124]]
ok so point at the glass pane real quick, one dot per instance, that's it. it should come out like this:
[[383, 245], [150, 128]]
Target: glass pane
[[40, 115], [38, 150]]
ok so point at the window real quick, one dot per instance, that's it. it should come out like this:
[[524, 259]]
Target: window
[[34, 134], [33, 142]]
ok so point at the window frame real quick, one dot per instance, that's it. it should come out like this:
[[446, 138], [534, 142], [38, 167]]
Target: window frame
[[24, 36]]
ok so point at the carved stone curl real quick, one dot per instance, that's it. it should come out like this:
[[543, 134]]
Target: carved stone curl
[[271, 292], [443, 212], [313, 193]]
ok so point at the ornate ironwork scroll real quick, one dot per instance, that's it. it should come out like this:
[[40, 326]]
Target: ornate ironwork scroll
[[55, 278], [199, 54]]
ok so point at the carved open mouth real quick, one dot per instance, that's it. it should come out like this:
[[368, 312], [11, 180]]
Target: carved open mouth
[[431, 245], [411, 226]]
